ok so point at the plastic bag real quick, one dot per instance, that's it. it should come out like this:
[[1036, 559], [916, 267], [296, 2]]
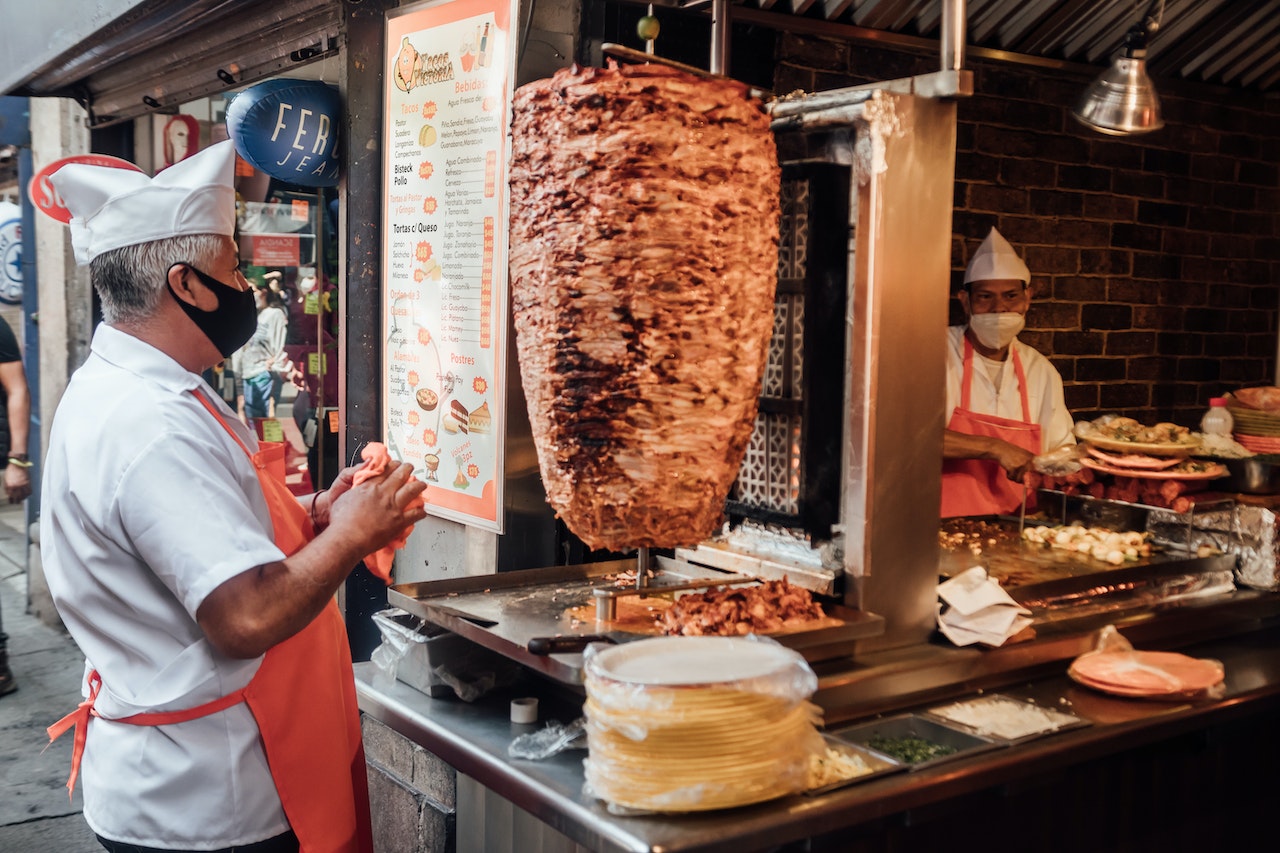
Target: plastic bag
[[551, 740], [684, 724], [1059, 462], [436, 661], [1114, 666]]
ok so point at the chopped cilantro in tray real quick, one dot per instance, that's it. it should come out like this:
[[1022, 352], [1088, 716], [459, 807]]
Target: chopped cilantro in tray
[[909, 748]]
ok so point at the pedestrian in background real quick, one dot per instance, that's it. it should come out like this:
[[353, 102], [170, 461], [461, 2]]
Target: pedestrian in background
[[15, 420], [262, 365]]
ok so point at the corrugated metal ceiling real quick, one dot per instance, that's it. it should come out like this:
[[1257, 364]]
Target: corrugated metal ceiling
[[1233, 43]]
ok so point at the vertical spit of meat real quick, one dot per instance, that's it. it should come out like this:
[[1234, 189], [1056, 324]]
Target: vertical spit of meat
[[644, 238]]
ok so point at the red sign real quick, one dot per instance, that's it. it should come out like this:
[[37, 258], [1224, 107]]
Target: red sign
[[270, 250], [46, 198]]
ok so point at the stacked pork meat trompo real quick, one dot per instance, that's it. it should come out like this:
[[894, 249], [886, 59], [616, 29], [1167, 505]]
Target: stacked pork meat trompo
[[644, 232]]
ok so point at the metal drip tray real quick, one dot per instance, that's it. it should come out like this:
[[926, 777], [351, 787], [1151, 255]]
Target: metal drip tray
[[1061, 585], [504, 612]]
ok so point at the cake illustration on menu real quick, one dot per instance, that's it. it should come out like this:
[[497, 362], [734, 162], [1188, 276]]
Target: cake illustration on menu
[[480, 420], [457, 419]]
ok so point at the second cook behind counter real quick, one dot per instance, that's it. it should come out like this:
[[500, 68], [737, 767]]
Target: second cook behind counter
[[1004, 400]]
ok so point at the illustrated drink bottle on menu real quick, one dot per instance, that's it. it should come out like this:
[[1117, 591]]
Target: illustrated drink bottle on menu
[[483, 57]]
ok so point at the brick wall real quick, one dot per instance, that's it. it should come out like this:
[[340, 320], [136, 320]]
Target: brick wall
[[1155, 260], [413, 794]]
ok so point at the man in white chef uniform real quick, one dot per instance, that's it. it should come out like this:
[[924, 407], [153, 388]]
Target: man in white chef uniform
[[220, 707], [1004, 402]]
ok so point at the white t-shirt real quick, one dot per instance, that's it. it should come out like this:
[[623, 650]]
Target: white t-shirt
[[149, 505], [265, 350], [1044, 390]]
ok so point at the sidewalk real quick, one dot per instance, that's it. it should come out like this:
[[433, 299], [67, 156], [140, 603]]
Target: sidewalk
[[35, 815]]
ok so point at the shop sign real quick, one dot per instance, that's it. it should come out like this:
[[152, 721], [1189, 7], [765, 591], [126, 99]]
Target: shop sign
[[45, 197], [271, 250], [289, 129], [10, 253]]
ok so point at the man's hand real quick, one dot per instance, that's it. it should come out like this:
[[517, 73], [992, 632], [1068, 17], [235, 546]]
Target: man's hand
[[17, 483], [1015, 461], [378, 510], [253, 611]]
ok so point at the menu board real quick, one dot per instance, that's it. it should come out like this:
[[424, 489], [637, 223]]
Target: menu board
[[449, 70]]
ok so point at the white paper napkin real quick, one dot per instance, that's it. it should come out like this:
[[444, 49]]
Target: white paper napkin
[[974, 608]]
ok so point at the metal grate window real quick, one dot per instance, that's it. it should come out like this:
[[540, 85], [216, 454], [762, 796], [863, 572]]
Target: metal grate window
[[783, 480]]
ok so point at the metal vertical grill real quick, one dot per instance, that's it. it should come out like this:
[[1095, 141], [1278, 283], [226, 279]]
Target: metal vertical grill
[[782, 480]]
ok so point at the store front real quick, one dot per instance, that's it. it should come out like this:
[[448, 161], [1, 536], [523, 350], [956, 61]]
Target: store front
[[1110, 318]]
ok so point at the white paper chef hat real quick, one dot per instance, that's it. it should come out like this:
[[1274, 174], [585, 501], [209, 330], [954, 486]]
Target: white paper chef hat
[[112, 208], [996, 259]]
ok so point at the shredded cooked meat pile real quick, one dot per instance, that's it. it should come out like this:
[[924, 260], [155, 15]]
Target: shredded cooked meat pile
[[736, 610], [644, 259]]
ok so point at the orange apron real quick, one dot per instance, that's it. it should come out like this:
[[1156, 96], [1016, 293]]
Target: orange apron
[[981, 486], [309, 723]]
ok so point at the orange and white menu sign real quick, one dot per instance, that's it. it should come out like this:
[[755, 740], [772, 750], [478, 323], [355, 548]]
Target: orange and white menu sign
[[449, 68]]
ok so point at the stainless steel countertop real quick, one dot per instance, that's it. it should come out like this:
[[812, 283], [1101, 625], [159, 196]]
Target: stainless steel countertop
[[473, 738]]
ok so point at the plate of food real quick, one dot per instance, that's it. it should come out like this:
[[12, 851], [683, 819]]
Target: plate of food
[[1149, 448], [1185, 469], [1128, 436], [1131, 460]]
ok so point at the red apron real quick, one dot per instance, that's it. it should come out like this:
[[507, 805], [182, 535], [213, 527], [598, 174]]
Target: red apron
[[309, 723], [981, 486]]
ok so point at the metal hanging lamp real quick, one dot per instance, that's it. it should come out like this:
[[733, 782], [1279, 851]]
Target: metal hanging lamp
[[1123, 100]]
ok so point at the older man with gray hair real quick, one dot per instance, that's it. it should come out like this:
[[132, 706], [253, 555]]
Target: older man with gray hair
[[220, 707]]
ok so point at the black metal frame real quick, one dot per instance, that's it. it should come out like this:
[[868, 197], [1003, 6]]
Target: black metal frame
[[821, 401]]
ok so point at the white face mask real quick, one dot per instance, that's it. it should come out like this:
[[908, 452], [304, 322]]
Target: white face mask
[[997, 331]]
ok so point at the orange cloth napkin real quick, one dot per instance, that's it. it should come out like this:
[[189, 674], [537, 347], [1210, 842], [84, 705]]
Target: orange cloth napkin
[[376, 459]]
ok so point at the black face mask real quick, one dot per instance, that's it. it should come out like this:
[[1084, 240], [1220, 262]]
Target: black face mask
[[230, 324]]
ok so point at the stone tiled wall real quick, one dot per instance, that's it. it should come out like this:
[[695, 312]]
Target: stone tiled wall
[[1155, 259], [413, 794]]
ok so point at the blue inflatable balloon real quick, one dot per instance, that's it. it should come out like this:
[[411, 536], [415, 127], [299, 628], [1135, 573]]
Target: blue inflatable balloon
[[289, 129]]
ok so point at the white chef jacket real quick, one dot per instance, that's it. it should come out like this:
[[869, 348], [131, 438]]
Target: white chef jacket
[[1044, 390], [148, 505]]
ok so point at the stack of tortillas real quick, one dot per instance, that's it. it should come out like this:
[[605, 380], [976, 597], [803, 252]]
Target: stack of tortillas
[[683, 724]]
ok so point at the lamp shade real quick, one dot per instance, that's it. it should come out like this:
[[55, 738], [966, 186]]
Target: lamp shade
[[1122, 101]]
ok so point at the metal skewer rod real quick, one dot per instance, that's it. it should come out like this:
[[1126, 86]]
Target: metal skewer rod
[[1022, 516]]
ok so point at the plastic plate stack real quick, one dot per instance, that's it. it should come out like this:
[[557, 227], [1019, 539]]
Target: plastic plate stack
[[685, 724], [1255, 429]]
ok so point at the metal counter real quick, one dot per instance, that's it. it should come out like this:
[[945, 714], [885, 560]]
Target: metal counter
[[473, 738]]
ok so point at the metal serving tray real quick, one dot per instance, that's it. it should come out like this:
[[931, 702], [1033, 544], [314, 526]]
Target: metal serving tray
[[881, 765], [1038, 721], [1058, 585], [504, 612], [964, 742]]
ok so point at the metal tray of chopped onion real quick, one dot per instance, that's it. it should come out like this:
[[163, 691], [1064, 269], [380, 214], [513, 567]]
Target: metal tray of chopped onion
[[916, 740], [1005, 718], [845, 763]]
